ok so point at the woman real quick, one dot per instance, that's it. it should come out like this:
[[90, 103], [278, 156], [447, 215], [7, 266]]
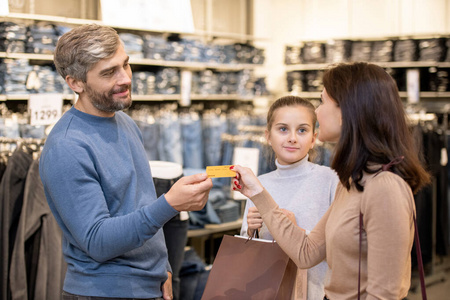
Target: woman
[[378, 169]]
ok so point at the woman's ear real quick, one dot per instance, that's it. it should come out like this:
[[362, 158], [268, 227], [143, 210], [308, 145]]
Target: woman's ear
[[75, 85]]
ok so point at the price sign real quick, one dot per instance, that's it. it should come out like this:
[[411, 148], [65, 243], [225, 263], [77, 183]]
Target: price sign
[[45, 109]]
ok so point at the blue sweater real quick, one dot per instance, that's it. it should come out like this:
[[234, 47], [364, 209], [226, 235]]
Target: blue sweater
[[98, 184]]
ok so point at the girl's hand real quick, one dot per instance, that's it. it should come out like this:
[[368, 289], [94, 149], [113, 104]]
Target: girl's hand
[[246, 182], [290, 215], [254, 220]]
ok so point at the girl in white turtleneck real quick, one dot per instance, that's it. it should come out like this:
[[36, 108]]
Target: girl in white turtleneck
[[303, 189]]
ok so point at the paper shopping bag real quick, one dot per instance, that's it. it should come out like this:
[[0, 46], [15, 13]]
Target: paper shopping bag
[[250, 269]]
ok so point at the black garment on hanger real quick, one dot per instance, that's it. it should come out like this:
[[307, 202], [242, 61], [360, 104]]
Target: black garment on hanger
[[11, 193]]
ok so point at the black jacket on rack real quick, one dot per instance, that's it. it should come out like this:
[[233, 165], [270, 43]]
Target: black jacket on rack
[[11, 193]]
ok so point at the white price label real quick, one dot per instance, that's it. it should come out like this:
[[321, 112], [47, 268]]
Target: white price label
[[45, 109]]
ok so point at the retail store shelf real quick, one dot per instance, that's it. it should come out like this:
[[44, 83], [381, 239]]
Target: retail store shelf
[[177, 97], [156, 97], [145, 62], [76, 21], [27, 97], [423, 95], [393, 64], [192, 65]]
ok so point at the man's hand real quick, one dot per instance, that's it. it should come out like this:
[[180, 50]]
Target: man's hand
[[167, 288], [189, 193]]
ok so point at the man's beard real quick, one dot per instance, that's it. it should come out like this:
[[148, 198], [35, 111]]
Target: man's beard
[[106, 102]]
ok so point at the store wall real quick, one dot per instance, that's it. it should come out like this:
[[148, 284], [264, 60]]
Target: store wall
[[287, 22]]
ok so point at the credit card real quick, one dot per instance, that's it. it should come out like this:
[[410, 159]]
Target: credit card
[[220, 171]]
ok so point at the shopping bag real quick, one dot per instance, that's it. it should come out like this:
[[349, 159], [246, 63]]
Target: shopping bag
[[250, 269]]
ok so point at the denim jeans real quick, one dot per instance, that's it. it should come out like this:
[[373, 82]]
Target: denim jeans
[[213, 126], [191, 132], [170, 134], [150, 134]]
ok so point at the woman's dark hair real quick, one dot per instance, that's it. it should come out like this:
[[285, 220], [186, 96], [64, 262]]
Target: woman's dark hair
[[374, 125]]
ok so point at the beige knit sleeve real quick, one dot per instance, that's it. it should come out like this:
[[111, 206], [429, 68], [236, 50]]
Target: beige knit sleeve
[[305, 250], [387, 207]]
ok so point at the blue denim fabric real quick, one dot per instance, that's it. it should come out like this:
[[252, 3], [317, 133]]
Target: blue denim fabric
[[213, 126], [150, 134], [30, 131], [170, 135], [191, 133], [9, 128]]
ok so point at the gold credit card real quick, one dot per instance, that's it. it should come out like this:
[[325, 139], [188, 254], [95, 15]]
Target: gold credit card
[[220, 171]]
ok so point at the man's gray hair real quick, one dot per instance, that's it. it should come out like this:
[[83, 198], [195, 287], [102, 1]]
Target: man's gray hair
[[78, 50]]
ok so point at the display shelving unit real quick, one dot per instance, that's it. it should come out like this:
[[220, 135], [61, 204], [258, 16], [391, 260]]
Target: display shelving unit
[[180, 65]]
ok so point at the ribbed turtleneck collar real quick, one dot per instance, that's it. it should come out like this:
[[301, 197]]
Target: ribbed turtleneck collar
[[293, 170]]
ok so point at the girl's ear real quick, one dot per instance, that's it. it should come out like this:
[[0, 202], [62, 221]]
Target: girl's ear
[[266, 132]]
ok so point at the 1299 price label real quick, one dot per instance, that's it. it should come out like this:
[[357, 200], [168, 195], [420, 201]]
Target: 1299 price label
[[44, 115], [44, 109]]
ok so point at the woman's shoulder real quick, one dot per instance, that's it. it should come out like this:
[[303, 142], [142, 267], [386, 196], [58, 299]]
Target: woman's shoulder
[[384, 178], [386, 185]]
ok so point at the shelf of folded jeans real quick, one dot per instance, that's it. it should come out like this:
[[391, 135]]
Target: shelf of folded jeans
[[192, 65], [423, 95], [391, 64], [77, 21], [30, 56], [4, 97], [209, 97], [433, 95], [146, 62]]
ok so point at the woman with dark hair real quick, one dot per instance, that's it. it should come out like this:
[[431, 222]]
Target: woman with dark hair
[[378, 168]]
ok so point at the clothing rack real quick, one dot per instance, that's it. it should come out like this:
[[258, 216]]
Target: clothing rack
[[31, 145], [242, 138], [429, 117]]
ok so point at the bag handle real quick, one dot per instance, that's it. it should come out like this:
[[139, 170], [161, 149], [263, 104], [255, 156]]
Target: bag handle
[[416, 242]]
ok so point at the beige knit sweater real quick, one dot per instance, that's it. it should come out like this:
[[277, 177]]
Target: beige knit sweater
[[387, 206]]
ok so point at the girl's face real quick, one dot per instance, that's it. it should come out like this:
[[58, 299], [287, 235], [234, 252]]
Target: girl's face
[[330, 119], [291, 135]]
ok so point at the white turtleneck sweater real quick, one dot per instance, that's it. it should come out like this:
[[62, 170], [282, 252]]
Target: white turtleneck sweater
[[306, 189]]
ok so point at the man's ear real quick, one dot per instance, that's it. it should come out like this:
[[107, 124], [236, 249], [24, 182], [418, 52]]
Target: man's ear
[[75, 85]]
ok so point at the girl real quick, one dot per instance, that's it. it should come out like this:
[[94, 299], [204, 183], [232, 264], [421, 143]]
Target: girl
[[303, 188], [378, 168]]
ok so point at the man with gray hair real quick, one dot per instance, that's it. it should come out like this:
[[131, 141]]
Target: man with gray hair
[[98, 183]]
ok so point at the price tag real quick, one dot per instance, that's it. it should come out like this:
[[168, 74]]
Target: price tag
[[45, 109], [186, 83]]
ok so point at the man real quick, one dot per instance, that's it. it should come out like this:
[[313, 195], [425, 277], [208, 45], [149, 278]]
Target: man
[[98, 182]]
